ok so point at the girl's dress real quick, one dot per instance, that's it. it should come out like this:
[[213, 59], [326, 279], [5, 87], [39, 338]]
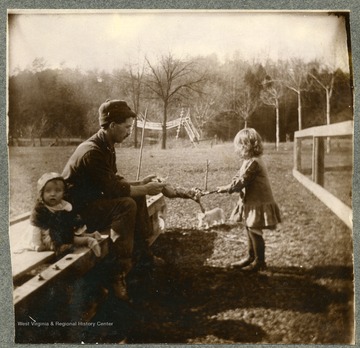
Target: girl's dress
[[256, 207]]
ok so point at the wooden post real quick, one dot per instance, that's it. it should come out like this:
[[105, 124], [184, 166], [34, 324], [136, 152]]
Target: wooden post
[[141, 147], [297, 153], [315, 184], [318, 167]]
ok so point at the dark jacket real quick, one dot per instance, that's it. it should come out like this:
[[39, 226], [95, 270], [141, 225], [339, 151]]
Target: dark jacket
[[61, 224], [90, 173]]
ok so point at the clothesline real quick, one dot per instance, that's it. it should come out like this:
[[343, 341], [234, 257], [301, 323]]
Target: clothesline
[[158, 125], [184, 121]]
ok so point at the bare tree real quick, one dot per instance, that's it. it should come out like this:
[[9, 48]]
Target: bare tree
[[38, 64], [204, 107], [325, 79], [246, 104], [244, 94], [296, 79], [172, 78], [135, 89], [270, 95], [250, 94], [41, 126]]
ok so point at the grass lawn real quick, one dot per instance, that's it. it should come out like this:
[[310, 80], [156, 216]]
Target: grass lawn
[[306, 294]]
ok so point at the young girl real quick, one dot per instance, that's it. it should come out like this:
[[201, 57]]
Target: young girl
[[55, 225], [256, 207]]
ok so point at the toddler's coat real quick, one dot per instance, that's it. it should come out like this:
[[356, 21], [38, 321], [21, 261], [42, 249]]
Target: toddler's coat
[[60, 224]]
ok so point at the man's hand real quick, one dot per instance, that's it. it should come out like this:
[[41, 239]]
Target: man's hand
[[151, 188], [154, 188], [148, 179]]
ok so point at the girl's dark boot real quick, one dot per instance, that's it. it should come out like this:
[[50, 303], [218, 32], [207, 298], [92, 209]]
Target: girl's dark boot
[[251, 255], [259, 246]]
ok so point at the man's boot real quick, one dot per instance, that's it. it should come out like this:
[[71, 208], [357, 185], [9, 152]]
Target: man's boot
[[251, 255], [259, 246], [119, 287]]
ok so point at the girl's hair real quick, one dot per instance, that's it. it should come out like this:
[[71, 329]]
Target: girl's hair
[[248, 143]]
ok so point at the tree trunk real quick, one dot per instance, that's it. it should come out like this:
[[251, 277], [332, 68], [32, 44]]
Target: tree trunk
[[277, 128], [328, 144], [135, 132], [137, 110], [299, 111], [163, 142]]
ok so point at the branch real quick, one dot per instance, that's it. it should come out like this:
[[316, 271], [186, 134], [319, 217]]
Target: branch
[[317, 80]]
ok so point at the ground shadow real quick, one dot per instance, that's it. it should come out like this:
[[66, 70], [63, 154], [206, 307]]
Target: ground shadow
[[328, 271], [182, 301], [187, 300]]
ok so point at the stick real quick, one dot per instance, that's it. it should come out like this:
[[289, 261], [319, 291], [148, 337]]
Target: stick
[[141, 147], [209, 192], [206, 174], [201, 207]]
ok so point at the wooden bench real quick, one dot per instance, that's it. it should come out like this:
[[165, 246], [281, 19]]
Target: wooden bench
[[35, 272]]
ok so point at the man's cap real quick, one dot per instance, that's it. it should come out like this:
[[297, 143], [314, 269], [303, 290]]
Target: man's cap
[[45, 178], [114, 111]]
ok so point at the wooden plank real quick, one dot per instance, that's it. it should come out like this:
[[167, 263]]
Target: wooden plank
[[335, 129], [156, 208], [333, 203], [19, 218], [17, 232], [318, 161], [155, 203], [79, 262], [158, 223], [23, 263]]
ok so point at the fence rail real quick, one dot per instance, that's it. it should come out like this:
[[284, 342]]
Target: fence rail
[[316, 183], [44, 141]]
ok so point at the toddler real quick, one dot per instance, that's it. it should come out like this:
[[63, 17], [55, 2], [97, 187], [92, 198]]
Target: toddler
[[256, 207], [55, 225]]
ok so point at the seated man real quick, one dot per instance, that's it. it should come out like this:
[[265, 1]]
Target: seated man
[[106, 200]]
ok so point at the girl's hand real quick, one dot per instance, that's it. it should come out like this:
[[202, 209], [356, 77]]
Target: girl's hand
[[222, 189]]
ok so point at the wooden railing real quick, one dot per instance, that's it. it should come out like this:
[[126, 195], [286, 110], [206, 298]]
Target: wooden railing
[[315, 184]]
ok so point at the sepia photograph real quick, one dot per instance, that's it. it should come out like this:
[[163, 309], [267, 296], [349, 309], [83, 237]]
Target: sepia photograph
[[181, 176]]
